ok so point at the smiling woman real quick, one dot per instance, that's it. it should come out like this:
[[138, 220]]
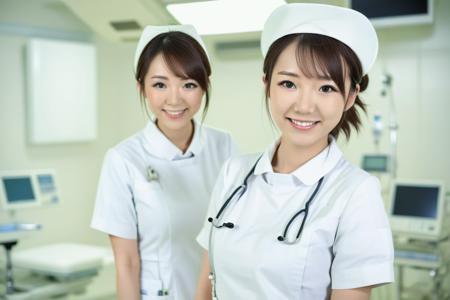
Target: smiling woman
[[313, 83], [173, 74], [306, 218], [155, 185], [173, 100]]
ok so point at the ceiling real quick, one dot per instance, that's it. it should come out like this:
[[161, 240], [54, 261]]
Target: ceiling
[[123, 20]]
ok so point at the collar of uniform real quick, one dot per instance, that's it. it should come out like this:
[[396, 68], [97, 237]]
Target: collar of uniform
[[309, 173], [160, 146]]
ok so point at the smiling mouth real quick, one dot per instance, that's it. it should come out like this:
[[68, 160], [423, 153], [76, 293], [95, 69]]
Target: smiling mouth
[[175, 114], [301, 124]]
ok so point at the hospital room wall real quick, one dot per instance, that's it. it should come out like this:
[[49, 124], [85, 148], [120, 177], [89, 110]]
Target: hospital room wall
[[77, 164], [417, 57]]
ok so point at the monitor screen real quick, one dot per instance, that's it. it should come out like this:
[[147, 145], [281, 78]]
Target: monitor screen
[[416, 201], [375, 163], [387, 8], [18, 190]]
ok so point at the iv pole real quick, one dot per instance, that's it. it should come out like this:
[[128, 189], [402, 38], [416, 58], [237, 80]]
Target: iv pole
[[386, 80]]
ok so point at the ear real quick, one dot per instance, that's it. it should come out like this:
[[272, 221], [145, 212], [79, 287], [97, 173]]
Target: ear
[[139, 88], [352, 98], [265, 82]]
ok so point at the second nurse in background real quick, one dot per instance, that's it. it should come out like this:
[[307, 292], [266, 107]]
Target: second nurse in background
[[155, 185]]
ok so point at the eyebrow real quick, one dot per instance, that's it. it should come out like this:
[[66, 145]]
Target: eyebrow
[[321, 77], [159, 77], [288, 73]]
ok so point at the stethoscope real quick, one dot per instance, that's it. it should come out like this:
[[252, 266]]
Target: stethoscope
[[216, 222]]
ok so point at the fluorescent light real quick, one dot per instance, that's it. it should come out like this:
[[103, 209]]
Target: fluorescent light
[[224, 16]]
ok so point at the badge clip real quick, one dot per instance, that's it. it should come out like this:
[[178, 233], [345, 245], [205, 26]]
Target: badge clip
[[152, 175]]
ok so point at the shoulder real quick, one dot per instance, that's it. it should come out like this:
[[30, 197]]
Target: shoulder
[[234, 171], [219, 141], [349, 184], [352, 175], [131, 146], [214, 134], [238, 166], [356, 187]]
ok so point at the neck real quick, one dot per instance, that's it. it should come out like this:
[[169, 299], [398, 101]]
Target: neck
[[289, 157], [181, 138]]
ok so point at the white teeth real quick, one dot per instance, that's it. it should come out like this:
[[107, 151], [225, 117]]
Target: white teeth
[[302, 123], [175, 112]]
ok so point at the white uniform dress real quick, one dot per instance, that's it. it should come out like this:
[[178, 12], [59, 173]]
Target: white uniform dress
[[346, 242], [166, 214]]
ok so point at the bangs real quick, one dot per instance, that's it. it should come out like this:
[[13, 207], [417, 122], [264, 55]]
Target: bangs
[[184, 59], [184, 66], [316, 58], [184, 56], [323, 57]]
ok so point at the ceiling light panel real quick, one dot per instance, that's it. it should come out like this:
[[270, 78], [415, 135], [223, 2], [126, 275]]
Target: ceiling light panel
[[224, 16]]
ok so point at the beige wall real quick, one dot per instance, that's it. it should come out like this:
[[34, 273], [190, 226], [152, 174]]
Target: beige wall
[[77, 165], [417, 57]]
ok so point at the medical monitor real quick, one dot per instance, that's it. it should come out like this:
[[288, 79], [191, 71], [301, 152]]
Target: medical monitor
[[417, 208], [388, 13], [375, 163], [30, 188]]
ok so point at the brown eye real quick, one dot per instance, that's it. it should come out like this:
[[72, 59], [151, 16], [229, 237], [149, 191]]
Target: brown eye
[[159, 85], [327, 89], [287, 84], [190, 85]]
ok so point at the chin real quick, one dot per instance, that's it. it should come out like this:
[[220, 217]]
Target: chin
[[305, 140], [176, 124]]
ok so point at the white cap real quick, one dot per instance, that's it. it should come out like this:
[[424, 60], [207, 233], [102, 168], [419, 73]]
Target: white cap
[[150, 32], [346, 25]]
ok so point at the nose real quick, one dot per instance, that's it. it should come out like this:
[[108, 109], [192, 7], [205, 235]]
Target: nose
[[173, 96], [305, 102]]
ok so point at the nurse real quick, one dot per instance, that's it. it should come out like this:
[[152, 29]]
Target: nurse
[[300, 221], [154, 186]]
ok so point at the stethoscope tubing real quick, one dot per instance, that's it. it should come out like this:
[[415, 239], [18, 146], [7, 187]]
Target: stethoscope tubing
[[305, 211], [216, 223]]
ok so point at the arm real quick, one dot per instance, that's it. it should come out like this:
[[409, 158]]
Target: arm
[[352, 294], [127, 261], [204, 284]]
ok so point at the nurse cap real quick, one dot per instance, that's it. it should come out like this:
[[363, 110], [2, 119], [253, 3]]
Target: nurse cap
[[150, 32], [346, 25]]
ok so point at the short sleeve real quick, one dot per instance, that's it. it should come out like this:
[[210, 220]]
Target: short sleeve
[[363, 249], [114, 211], [215, 200]]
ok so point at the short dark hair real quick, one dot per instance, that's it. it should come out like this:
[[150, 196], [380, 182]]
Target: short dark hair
[[320, 55], [184, 56]]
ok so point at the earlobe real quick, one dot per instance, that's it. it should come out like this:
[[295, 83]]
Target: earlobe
[[264, 79], [352, 98]]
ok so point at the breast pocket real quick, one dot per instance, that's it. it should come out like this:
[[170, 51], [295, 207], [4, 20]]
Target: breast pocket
[[148, 193], [323, 232], [153, 216], [153, 289], [320, 254]]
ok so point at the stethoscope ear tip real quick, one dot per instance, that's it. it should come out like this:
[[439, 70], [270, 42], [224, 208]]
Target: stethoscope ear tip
[[280, 238], [210, 220]]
